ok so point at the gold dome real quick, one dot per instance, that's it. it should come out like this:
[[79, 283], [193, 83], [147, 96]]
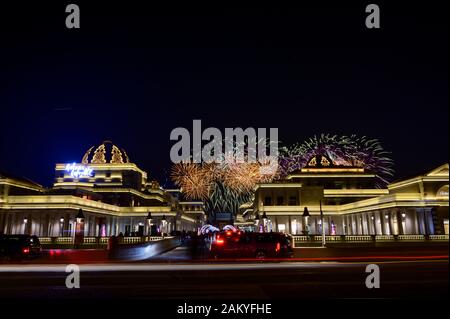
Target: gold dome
[[105, 153]]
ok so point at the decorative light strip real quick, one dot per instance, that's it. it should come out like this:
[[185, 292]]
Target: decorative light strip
[[332, 170], [354, 192], [328, 175], [11, 182], [277, 185], [73, 202], [417, 180]]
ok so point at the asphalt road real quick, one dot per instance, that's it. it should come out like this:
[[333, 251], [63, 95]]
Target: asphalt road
[[293, 280], [312, 254]]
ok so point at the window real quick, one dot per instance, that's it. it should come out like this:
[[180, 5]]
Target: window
[[339, 185], [281, 228], [265, 238], [292, 200], [280, 200], [267, 200]]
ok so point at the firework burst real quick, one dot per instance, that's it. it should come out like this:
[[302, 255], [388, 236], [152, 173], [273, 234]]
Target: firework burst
[[343, 151], [193, 179], [226, 185]]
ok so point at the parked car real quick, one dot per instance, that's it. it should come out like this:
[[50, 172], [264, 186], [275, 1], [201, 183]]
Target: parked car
[[19, 246], [252, 245]]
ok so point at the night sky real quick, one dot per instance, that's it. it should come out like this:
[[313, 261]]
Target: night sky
[[132, 74]]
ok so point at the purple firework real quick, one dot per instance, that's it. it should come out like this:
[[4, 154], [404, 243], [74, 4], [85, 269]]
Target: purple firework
[[343, 151]]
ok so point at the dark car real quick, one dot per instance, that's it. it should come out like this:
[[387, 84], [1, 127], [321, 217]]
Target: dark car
[[19, 246], [252, 245]]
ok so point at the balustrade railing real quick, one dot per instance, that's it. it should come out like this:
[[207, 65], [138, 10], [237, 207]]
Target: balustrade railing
[[297, 239], [301, 239], [438, 237], [98, 240]]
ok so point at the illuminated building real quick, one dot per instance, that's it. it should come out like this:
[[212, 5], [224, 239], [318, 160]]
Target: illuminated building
[[350, 202], [114, 195]]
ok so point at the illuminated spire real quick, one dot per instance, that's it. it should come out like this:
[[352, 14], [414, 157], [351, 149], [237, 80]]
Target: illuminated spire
[[99, 155], [116, 155]]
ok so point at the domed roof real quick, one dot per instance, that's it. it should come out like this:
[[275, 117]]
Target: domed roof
[[105, 153]]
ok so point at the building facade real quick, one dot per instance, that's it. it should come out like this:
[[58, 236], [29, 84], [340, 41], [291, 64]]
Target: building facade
[[115, 196], [112, 194], [350, 203]]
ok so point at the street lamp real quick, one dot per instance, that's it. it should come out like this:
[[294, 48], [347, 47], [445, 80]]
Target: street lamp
[[257, 221], [25, 225], [79, 228], [164, 222], [264, 217], [322, 224], [306, 212], [305, 220], [149, 223], [61, 226], [80, 216]]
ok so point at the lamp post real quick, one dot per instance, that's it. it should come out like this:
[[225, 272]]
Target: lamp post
[[257, 221], [305, 220], [264, 218], [25, 225], [400, 222], [387, 217], [163, 227], [323, 225], [79, 228], [61, 226], [373, 225], [149, 224]]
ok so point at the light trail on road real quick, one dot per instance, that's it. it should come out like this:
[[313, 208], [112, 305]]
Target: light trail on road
[[192, 267]]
